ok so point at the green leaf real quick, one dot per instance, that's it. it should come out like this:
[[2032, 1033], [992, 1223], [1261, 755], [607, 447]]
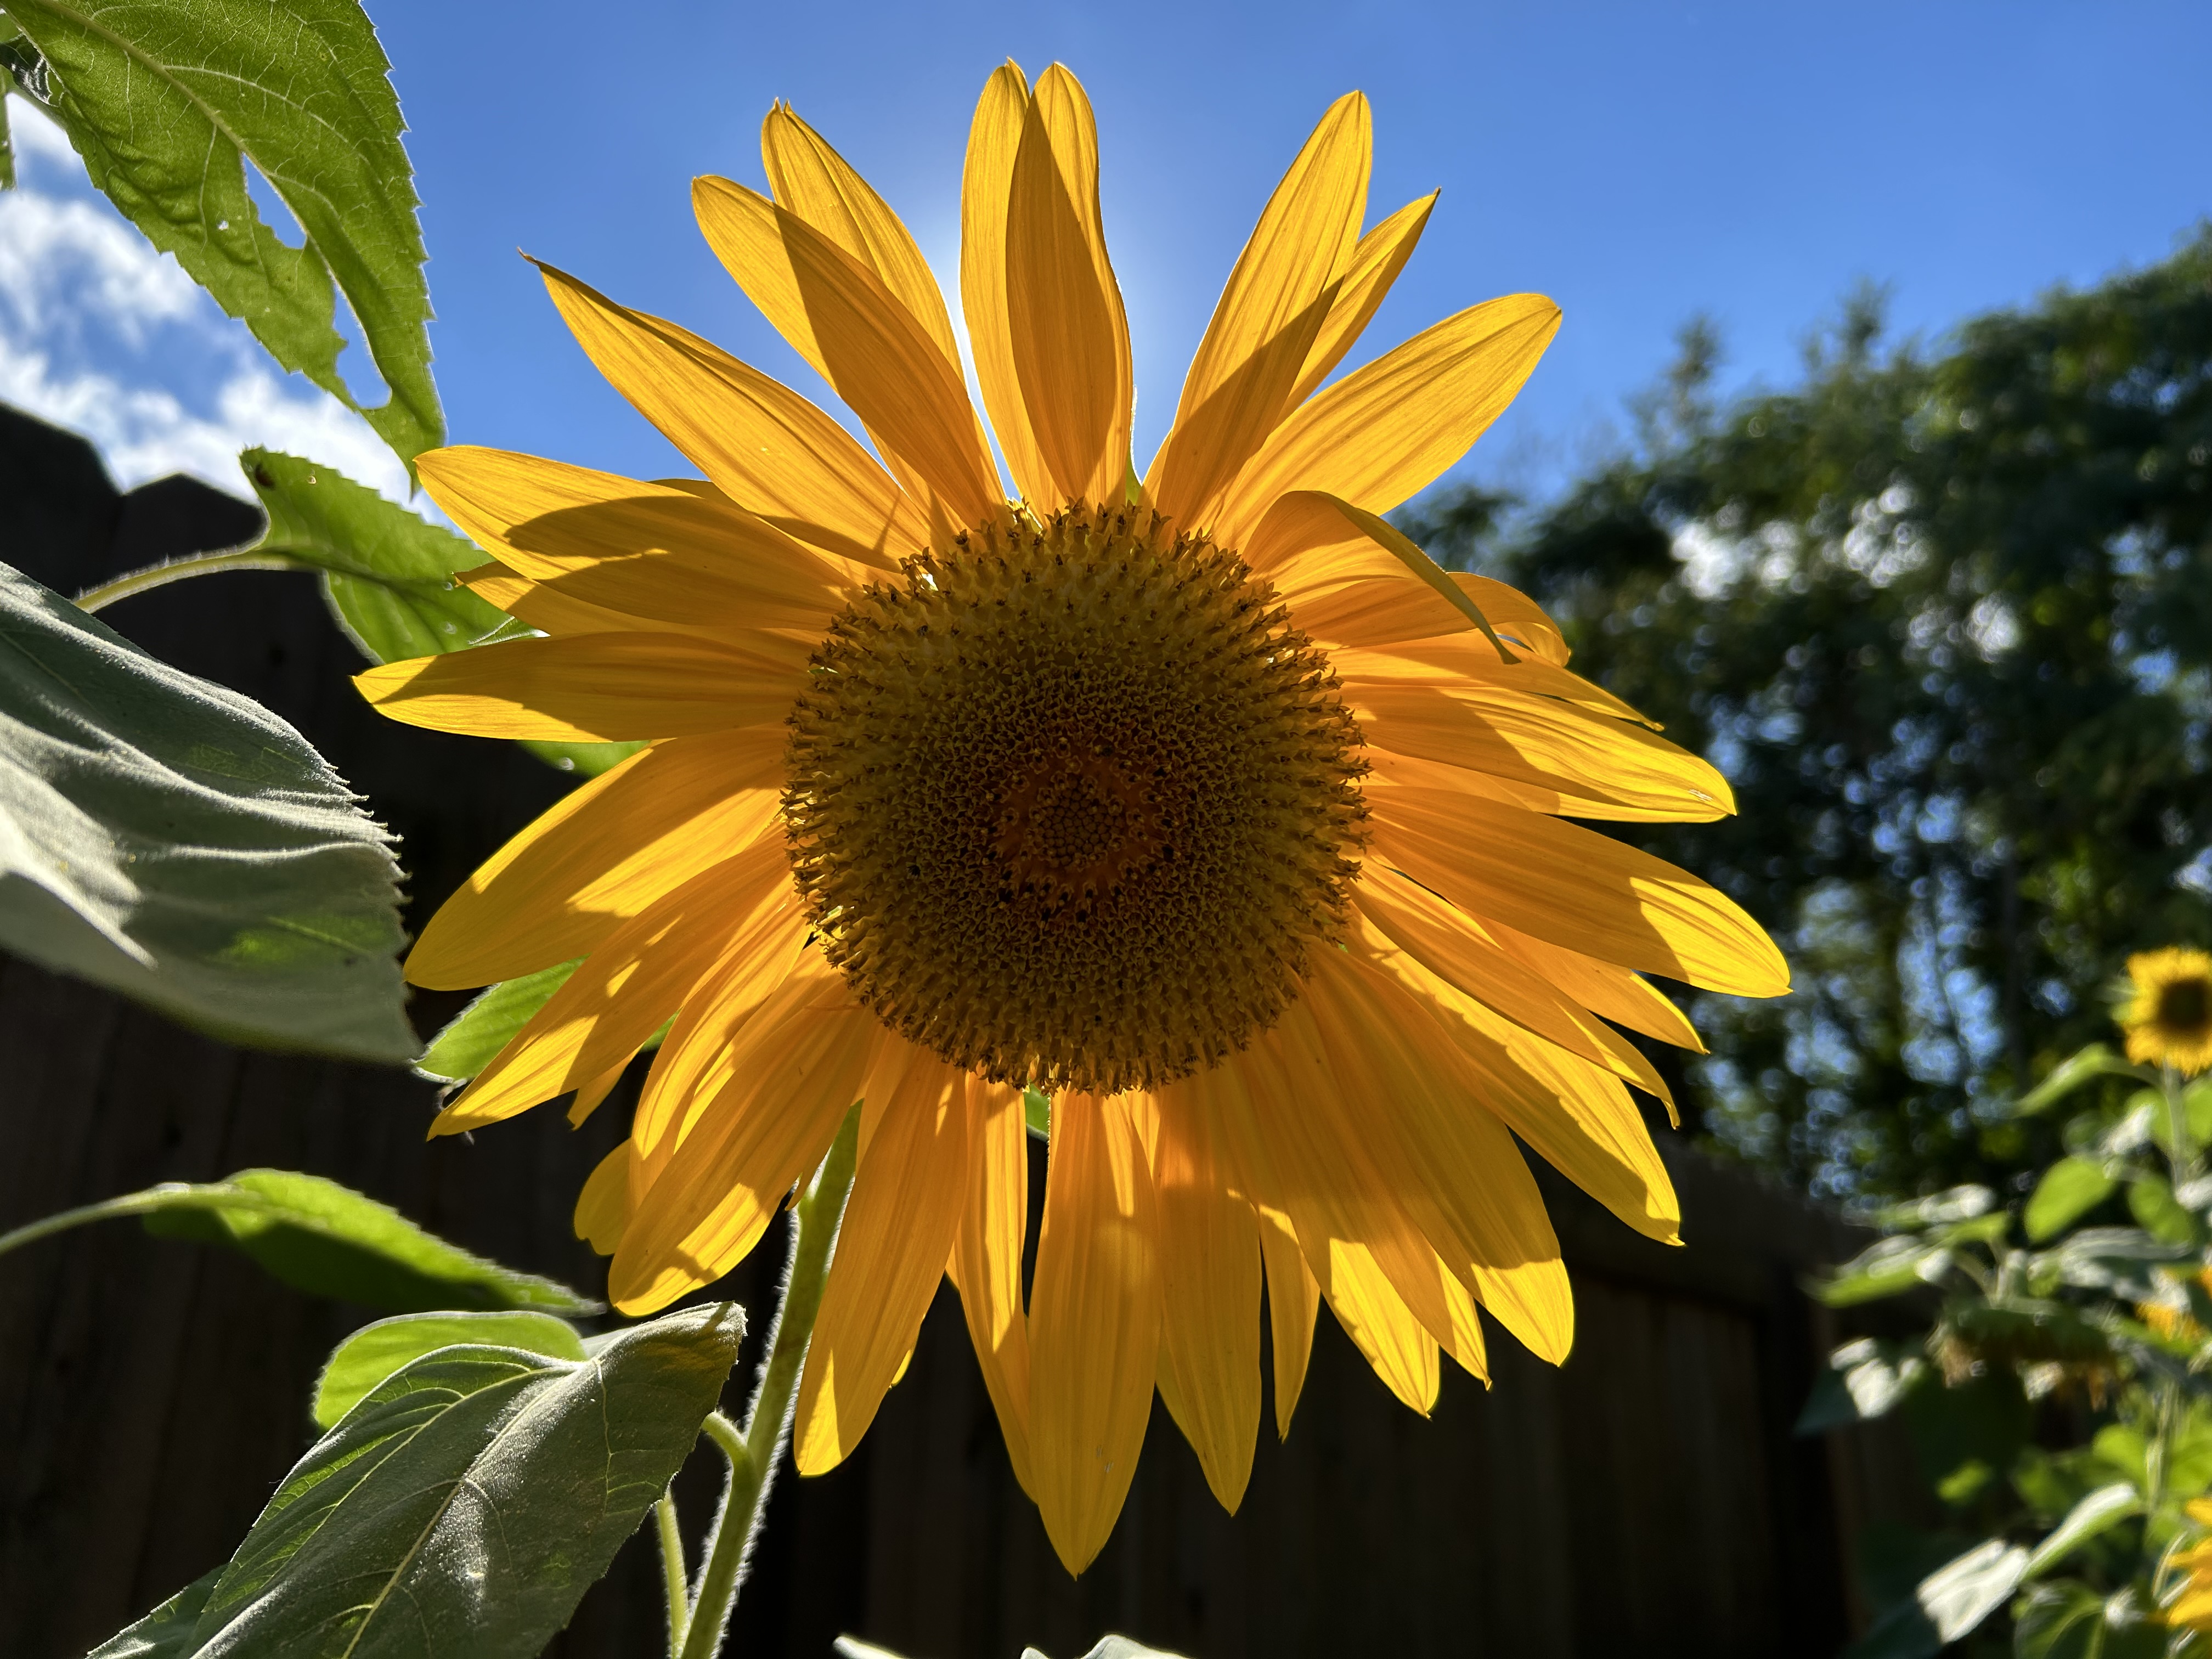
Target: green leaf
[[464, 1506], [2069, 1189], [1956, 1598], [2150, 1201], [177, 842], [2059, 1621], [387, 574], [329, 1239], [165, 1632], [2085, 1066], [1037, 1112], [1887, 1268], [479, 1032], [1954, 1204], [2102, 1509], [585, 759], [7, 140], [1864, 1380], [372, 1353], [167, 103]]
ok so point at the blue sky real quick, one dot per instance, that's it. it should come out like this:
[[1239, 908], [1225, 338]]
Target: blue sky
[[1637, 162]]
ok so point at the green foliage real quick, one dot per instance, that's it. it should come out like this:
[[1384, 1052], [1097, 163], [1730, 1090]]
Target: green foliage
[[465, 1505], [374, 1352], [168, 103], [2038, 1311], [479, 1032], [328, 1240], [173, 841], [1945, 620], [387, 574]]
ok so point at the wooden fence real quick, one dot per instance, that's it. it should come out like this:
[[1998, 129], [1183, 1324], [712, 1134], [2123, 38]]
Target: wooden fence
[[1647, 1496]]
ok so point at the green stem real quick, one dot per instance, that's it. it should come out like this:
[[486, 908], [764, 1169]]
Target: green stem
[[672, 1571], [755, 1452], [177, 570], [163, 1197]]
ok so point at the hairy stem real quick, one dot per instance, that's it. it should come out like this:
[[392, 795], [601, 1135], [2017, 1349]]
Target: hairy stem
[[163, 1197], [671, 1572], [754, 1452], [177, 570]]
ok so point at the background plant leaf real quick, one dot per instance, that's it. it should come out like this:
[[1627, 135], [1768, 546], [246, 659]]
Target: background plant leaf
[[480, 1031], [177, 842], [528, 1471], [329, 1239], [167, 103], [387, 573], [372, 1353], [2069, 1189]]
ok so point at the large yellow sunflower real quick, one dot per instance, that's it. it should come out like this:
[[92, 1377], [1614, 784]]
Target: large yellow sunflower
[[1206, 803]]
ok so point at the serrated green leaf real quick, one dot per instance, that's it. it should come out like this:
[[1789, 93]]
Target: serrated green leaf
[[462, 1508], [165, 1632], [372, 1353], [177, 842], [166, 104], [2069, 1189], [387, 573], [479, 1032], [329, 1239]]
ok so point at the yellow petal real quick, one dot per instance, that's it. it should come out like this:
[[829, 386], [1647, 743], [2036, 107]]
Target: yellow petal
[[907, 1199], [806, 176], [1463, 1177], [1065, 321], [1459, 951], [767, 449], [1209, 1366], [593, 688], [1361, 287], [1384, 433], [601, 853], [1456, 658], [590, 1096], [1605, 989], [986, 188], [632, 984], [1293, 1303], [645, 550], [1311, 541], [1365, 1251], [603, 1207], [1263, 331], [699, 1057], [1576, 888], [1094, 1324], [550, 612], [986, 1263], [1572, 1110], [838, 314], [1541, 741], [1384, 610], [795, 1080]]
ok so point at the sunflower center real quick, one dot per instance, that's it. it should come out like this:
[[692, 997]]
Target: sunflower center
[[2184, 1006], [1070, 804]]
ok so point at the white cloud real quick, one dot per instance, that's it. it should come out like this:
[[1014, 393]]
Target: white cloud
[[100, 334]]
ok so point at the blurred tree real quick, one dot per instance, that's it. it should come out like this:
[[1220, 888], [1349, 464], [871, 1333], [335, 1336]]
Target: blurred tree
[[1945, 620]]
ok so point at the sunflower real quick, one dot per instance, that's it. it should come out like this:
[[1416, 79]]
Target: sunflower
[[2168, 1016], [1204, 803]]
